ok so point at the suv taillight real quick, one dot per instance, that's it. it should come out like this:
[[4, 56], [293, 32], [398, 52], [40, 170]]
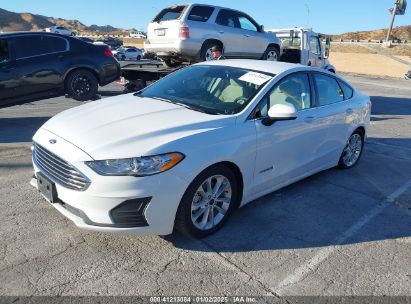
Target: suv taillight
[[184, 32], [108, 53]]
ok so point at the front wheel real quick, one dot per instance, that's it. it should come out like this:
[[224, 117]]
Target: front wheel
[[82, 85], [352, 150], [271, 54], [208, 202]]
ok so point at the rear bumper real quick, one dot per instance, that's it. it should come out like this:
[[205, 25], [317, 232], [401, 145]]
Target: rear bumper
[[109, 72], [187, 48]]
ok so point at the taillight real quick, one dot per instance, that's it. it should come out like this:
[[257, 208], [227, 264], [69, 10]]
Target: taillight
[[184, 32], [108, 53]]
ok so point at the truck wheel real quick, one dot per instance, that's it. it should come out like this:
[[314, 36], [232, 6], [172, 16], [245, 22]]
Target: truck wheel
[[171, 63], [271, 54], [81, 85]]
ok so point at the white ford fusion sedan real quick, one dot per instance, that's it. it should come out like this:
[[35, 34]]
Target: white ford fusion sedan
[[188, 150]]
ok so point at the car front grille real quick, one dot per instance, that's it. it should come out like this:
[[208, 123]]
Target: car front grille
[[58, 170]]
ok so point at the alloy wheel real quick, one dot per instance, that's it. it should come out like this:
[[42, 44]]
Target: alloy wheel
[[211, 202], [352, 150], [272, 56], [81, 85]]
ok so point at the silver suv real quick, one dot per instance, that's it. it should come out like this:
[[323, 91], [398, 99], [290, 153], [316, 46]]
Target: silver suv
[[188, 32]]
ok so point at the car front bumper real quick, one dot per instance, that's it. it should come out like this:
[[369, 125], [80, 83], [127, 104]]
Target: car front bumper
[[107, 202]]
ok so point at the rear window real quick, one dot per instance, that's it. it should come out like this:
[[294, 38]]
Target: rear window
[[200, 13], [171, 13]]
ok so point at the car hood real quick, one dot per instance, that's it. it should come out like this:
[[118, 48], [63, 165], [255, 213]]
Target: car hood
[[130, 126]]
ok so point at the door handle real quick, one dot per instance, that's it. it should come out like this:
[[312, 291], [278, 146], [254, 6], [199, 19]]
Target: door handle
[[349, 111], [309, 119], [246, 35], [221, 32], [60, 57]]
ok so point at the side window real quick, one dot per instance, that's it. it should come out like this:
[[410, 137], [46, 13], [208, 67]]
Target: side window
[[227, 18], [315, 45], [328, 89], [4, 51], [200, 13], [247, 24], [292, 90], [59, 44], [348, 91], [33, 45]]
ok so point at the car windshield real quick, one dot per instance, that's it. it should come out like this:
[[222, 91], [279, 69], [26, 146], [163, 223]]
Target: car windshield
[[209, 89]]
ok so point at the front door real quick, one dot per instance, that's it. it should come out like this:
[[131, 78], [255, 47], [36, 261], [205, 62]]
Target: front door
[[286, 149], [315, 54]]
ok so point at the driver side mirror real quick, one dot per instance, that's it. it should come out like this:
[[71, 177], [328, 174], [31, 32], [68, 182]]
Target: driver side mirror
[[280, 112], [262, 28]]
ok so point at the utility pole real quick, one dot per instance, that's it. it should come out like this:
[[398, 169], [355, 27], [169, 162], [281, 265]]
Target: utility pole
[[398, 9]]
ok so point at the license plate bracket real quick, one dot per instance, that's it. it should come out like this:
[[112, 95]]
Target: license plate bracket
[[47, 188], [161, 32]]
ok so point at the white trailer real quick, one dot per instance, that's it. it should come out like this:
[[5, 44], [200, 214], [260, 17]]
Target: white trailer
[[304, 46]]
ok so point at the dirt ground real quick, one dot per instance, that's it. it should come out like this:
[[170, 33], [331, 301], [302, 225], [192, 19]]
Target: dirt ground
[[368, 64]]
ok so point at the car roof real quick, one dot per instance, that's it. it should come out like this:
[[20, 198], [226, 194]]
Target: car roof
[[272, 67], [9, 34]]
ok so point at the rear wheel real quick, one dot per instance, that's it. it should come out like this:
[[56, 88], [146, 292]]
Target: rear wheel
[[352, 150], [208, 202], [206, 54], [81, 85], [271, 54]]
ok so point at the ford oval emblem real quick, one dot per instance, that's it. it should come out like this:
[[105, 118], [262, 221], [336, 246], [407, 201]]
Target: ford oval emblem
[[52, 141]]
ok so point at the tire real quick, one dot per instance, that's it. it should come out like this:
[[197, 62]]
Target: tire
[[188, 209], [205, 53], [81, 85], [271, 54], [352, 151], [171, 63]]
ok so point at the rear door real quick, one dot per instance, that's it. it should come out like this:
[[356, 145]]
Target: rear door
[[40, 63], [165, 27], [230, 33], [8, 82], [333, 112]]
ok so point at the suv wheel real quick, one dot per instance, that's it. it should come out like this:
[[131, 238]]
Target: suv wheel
[[205, 53], [81, 85], [171, 63], [208, 202], [271, 54]]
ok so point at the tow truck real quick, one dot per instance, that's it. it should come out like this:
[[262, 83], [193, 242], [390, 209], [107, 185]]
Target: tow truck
[[299, 45], [305, 47]]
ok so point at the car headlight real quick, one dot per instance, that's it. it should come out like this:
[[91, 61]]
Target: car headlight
[[137, 166]]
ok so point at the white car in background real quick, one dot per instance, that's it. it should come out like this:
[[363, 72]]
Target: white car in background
[[188, 150], [129, 54], [138, 35], [60, 30]]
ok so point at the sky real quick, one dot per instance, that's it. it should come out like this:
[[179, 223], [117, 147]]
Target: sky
[[331, 17]]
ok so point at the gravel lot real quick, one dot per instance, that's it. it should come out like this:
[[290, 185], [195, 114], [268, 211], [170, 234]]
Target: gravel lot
[[336, 233]]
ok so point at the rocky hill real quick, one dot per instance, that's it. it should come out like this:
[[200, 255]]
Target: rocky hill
[[401, 32], [10, 22]]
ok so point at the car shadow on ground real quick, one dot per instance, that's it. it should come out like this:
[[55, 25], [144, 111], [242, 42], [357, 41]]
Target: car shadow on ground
[[316, 212], [382, 105], [19, 129]]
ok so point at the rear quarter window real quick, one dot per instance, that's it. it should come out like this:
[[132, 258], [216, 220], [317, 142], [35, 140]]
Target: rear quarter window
[[348, 91], [170, 13], [200, 13]]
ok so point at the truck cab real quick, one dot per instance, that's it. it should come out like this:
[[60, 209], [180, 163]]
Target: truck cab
[[305, 47]]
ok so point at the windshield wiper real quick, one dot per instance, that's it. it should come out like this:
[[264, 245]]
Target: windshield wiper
[[185, 106]]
